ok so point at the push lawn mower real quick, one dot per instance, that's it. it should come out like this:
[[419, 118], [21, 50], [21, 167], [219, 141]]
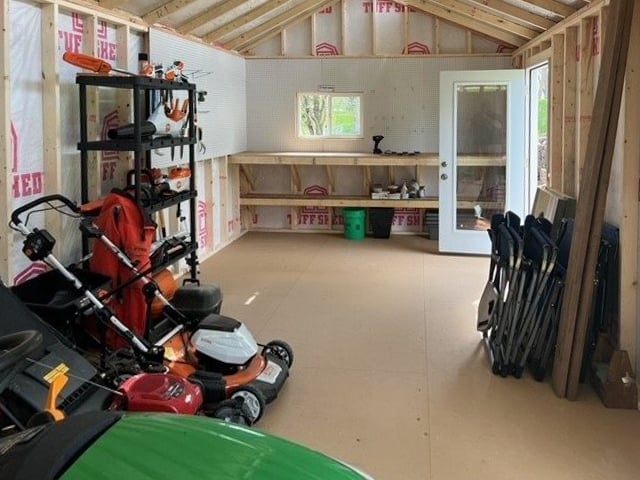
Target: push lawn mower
[[105, 445], [218, 352], [117, 386]]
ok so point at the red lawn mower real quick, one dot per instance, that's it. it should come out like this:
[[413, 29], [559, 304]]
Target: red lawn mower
[[216, 352]]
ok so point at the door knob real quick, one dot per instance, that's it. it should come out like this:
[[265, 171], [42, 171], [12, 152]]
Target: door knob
[[444, 164], [444, 176]]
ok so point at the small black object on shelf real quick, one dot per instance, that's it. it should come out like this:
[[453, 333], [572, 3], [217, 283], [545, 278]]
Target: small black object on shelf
[[376, 147]]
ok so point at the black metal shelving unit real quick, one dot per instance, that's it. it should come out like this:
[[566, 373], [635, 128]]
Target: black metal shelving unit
[[142, 88]]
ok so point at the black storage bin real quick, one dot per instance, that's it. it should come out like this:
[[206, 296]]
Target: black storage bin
[[54, 299], [197, 301], [381, 220]]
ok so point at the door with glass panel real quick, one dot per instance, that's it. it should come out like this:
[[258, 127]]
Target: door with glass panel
[[482, 155]]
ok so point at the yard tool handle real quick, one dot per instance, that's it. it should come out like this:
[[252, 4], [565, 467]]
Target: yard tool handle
[[15, 215]]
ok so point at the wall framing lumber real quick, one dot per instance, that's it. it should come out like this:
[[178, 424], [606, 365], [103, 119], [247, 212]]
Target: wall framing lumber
[[124, 97], [269, 29], [620, 23], [570, 111], [94, 174], [556, 123], [518, 13], [51, 113], [631, 197], [94, 9], [238, 23], [590, 207], [593, 9], [455, 18], [211, 14], [6, 235], [539, 57], [586, 70], [374, 27], [553, 6], [487, 17]]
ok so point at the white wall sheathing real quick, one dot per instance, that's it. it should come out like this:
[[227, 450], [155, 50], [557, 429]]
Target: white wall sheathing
[[222, 76], [358, 27], [269, 48], [71, 38], [380, 26], [328, 30], [27, 165], [223, 119], [389, 28], [421, 35], [452, 39], [400, 99], [299, 39], [481, 44]]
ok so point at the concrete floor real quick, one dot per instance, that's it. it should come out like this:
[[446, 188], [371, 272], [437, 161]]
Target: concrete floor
[[390, 374]]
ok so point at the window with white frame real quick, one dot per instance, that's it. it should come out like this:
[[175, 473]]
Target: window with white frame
[[329, 115]]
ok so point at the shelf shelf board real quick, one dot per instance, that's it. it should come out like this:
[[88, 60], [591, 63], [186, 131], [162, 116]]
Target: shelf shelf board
[[291, 200], [129, 81], [124, 145], [359, 159], [172, 258], [173, 200], [332, 158]]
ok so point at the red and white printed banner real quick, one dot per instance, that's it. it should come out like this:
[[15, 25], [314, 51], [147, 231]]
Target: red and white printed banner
[[27, 139]]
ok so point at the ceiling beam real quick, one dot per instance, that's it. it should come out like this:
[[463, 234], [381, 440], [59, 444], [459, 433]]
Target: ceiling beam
[[248, 17], [518, 13], [455, 18], [111, 4], [207, 16], [165, 10], [489, 18], [276, 24], [554, 6], [91, 8], [590, 10]]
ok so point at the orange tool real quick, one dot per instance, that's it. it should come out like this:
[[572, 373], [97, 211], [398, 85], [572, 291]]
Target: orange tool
[[89, 62]]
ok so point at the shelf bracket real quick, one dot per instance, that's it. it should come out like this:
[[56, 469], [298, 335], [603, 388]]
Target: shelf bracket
[[331, 178], [296, 185], [248, 176]]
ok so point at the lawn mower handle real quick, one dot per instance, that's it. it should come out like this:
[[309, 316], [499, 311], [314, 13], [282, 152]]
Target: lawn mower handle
[[15, 215]]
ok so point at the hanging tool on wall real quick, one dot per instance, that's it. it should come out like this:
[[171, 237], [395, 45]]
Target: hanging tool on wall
[[92, 63]]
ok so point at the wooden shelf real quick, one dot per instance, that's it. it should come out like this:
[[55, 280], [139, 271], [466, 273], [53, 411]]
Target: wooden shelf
[[292, 200], [331, 158], [359, 159], [424, 165]]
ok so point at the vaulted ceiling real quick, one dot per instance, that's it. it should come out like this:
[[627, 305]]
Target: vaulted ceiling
[[242, 24]]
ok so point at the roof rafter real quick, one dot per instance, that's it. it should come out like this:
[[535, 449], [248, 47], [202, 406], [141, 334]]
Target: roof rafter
[[198, 21], [111, 4], [521, 14], [553, 6], [165, 10], [276, 24], [243, 20], [484, 16], [463, 21]]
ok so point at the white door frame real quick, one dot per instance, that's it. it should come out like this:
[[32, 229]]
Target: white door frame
[[452, 239]]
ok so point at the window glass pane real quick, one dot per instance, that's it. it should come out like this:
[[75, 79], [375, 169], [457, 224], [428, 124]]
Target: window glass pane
[[481, 140], [345, 115], [313, 118]]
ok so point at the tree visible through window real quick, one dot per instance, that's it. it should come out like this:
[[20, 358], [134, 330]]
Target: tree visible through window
[[329, 115]]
